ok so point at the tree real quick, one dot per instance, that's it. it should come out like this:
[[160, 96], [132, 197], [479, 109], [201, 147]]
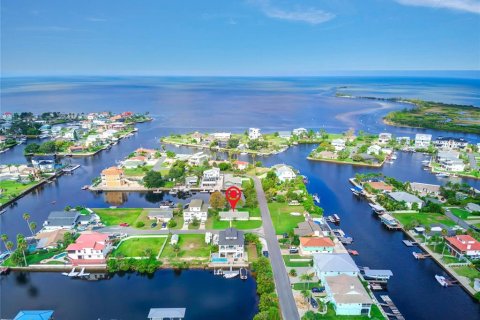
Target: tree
[[22, 246], [172, 223], [31, 148], [153, 179], [26, 217], [170, 154], [217, 200], [4, 238], [293, 272], [306, 277], [9, 246], [176, 249], [224, 166], [233, 143]]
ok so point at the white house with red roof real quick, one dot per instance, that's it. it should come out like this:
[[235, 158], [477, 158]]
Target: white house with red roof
[[89, 248], [311, 245], [241, 165], [464, 245]]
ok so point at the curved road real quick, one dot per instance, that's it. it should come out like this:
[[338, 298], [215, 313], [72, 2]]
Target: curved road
[[282, 282]]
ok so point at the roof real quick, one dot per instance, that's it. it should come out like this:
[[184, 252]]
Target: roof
[[231, 237], [112, 171], [404, 196], [164, 213], [377, 273], [380, 185], [93, 240], [49, 238], [316, 242], [34, 315], [334, 262], [234, 214], [306, 228], [473, 207], [62, 218], [425, 187], [347, 290], [461, 242], [195, 203], [162, 313]]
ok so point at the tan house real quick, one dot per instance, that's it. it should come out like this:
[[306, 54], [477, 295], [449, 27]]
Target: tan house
[[113, 177]]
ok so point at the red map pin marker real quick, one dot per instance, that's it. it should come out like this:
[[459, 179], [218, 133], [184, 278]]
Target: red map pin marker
[[233, 194]]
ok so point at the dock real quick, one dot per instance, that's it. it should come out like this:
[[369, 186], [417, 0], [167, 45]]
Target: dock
[[395, 313], [420, 256], [70, 168], [409, 243]]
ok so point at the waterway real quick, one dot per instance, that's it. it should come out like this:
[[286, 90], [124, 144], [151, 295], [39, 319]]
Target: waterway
[[413, 287]]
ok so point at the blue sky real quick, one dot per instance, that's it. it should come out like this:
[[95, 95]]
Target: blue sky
[[237, 37]]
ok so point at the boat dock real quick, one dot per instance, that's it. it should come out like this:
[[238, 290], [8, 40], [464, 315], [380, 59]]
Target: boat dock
[[409, 243], [420, 256], [346, 240], [390, 305], [70, 168]]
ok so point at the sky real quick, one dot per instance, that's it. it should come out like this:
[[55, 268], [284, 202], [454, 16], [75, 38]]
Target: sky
[[237, 37]]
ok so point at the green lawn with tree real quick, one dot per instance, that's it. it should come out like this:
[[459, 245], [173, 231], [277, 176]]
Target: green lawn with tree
[[140, 247], [189, 246]]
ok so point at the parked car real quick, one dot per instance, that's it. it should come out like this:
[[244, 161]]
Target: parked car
[[285, 235], [265, 254], [313, 303], [124, 224], [293, 250], [164, 225], [318, 289], [153, 225]]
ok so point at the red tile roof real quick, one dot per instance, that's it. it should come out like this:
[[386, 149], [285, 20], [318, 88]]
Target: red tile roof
[[112, 171], [316, 242], [461, 242], [92, 240], [380, 185]]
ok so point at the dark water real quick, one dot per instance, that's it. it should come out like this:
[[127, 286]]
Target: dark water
[[232, 104]]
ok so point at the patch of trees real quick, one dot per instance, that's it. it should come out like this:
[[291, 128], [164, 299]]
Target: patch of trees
[[257, 144], [48, 147], [149, 265], [153, 179], [233, 143], [268, 305]]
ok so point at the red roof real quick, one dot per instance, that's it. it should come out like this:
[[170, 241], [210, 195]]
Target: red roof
[[92, 240], [461, 242], [316, 242]]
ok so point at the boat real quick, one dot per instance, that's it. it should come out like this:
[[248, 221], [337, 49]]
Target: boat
[[243, 273], [352, 252], [3, 211], [230, 274], [53, 202], [442, 280], [394, 156], [442, 175], [336, 218], [85, 187], [71, 274], [357, 191], [316, 198]]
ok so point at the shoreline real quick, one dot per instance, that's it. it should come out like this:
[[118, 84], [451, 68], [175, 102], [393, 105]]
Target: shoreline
[[360, 164], [217, 148]]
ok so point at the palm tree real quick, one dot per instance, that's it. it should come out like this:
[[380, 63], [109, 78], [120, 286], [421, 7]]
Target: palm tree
[[176, 249], [33, 226], [306, 277], [22, 245], [306, 296], [26, 217], [9, 246], [293, 272], [4, 238]]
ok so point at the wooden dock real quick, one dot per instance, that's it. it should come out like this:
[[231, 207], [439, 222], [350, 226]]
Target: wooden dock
[[390, 305], [420, 256], [409, 243]]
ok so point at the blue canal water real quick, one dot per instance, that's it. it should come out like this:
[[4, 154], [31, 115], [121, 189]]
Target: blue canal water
[[233, 104]]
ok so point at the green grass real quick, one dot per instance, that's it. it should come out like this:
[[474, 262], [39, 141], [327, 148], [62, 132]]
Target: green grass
[[296, 264], [305, 286], [252, 252], [137, 247], [469, 272], [423, 218], [114, 217], [283, 221], [375, 314], [462, 214], [134, 171], [213, 223], [11, 189], [191, 246]]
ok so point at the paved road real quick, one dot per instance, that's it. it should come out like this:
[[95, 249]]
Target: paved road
[[459, 221], [473, 161], [282, 282], [132, 231]]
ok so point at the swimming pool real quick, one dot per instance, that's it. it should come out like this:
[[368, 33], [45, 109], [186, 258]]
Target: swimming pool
[[219, 260], [60, 255]]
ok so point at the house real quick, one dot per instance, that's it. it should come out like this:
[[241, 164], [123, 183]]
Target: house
[[223, 136], [191, 181], [308, 229], [380, 186], [449, 143], [472, 207], [174, 239], [348, 295], [384, 137], [334, 264], [196, 210], [50, 239], [374, 149], [148, 153], [285, 135], [403, 140], [166, 313], [422, 141], [112, 177], [425, 189], [197, 136], [299, 132], [231, 244], [44, 163], [408, 198], [89, 248], [328, 155], [284, 172], [464, 245], [134, 162], [241, 165], [160, 215], [210, 178], [230, 181], [311, 245], [233, 215], [254, 133], [449, 160], [61, 220], [34, 315], [338, 144], [93, 140]]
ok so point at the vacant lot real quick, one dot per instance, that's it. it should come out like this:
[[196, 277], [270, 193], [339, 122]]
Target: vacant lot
[[140, 247]]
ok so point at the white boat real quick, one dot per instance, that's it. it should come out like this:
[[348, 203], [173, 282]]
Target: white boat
[[3, 211], [442, 280], [243, 273], [393, 157], [442, 175], [72, 273], [82, 273], [316, 198], [230, 274]]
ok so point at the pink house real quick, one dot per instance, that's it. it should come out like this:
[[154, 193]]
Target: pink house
[[89, 248], [464, 245]]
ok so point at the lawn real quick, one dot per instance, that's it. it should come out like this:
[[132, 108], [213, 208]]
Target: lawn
[[462, 214], [296, 264], [252, 252], [11, 189], [282, 220], [423, 218], [137, 247], [114, 217], [469, 272], [134, 171], [375, 314], [213, 223], [305, 286], [191, 246]]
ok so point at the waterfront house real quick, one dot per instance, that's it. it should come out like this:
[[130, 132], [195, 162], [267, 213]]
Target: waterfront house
[[334, 264], [422, 141], [308, 229], [231, 244], [284, 172], [197, 209], [166, 314], [222, 136], [285, 135], [50, 239], [174, 239], [374, 149], [197, 136], [328, 155], [254, 133], [450, 143], [233, 215], [311, 245], [463, 246], [380, 186], [44, 163], [148, 153], [93, 140], [61, 220], [338, 144], [112, 177], [197, 159], [407, 198], [134, 162], [230, 181], [299, 132], [160, 214], [211, 178], [384, 137], [34, 315], [240, 165], [425, 189], [450, 161], [191, 181], [348, 295], [472, 207], [403, 140], [89, 248]]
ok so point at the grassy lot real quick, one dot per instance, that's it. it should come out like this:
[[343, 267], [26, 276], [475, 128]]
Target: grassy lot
[[423, 218], [179, 220], [191, 246], [35, 258], [213, 223], [11, 189], [305, 286], [469, 272], [375, 314], [134, 171], [283, 221], [114, 217], [462, 214], [252, 252], [137, 247], [296, 264]]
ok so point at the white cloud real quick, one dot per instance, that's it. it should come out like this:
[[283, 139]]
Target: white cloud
[[462, 5], [302, 14], [95, 19]]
